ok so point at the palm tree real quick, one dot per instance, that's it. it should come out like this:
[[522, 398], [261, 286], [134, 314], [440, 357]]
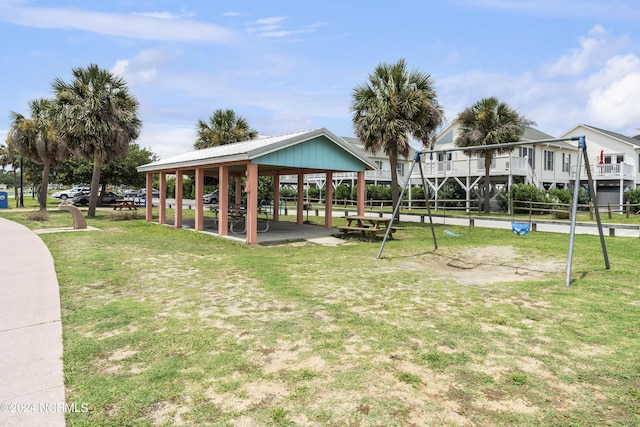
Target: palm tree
[[37, 139], [392, 106], [97, 117], [224, 127], [485, 123]]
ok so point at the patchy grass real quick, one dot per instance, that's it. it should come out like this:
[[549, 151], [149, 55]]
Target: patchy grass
[[172, 327]]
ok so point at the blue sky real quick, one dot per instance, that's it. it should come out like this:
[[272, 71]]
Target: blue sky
[[288, 66]]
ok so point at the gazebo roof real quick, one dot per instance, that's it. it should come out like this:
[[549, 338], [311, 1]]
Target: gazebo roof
[[313, 149]]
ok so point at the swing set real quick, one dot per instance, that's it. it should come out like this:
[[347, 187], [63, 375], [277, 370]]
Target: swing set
[[519, 228]]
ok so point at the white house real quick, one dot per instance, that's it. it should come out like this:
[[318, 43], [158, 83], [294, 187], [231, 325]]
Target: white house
[[614, 161], [545, 165]]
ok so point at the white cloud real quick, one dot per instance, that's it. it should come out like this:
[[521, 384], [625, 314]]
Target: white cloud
[[613, 99], [144, 67], [593, 84], [270, 27], [167, 141], [134, 26], [271, 21], [592, 51], [167, 15]]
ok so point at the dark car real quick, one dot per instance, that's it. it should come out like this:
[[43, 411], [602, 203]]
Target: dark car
[[129, 194], [143, 193], [82, 199]]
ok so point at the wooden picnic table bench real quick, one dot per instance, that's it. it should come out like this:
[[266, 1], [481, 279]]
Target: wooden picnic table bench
[[121, 204], [237, 219], [366, 225]]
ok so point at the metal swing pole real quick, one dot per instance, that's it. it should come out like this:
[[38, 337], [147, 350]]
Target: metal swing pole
[[426, 199], [416, 158], [582, 147]]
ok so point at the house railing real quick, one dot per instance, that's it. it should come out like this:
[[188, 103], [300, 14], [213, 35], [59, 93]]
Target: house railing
[[502, 165], [375, 175], [607, 171]]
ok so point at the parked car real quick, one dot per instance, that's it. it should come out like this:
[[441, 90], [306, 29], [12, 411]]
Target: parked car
[[143, 193], [211, 197], [129, 194], [70, 193], [82, 199]]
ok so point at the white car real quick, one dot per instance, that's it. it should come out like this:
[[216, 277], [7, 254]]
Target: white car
[[70, 193], [211, 197]]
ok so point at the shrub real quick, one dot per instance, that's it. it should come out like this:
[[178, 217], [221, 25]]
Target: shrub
[[525, 193], [452, 192], [343, 192], [314, 192], [558, 195], [632, 196], [38, 216], [123, 216]]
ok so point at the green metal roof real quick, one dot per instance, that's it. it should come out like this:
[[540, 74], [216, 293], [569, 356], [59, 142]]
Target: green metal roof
[[316, 153], [315, 149]]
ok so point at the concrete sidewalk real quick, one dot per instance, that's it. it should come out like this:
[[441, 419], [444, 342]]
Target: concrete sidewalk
[[31, 377]]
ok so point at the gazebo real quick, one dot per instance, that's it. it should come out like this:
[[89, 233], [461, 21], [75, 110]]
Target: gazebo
[[314, 151]]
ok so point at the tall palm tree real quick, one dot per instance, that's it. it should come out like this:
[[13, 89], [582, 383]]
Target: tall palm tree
[[224, 127], [485, 123], [97, 117], [36, 138], [392, 106]]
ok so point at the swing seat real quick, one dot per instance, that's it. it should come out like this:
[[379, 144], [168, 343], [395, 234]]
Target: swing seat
[[451, 233], [520, 228]]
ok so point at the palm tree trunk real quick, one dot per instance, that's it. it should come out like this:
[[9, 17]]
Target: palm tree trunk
[[46, 169], [95, 183], [395, 194], [15, 188], [487, 182]]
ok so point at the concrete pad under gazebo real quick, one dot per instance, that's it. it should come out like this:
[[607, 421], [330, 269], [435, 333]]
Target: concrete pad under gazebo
[[315, 151]]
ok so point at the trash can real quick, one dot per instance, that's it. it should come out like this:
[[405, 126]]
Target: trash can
[[4, 200]]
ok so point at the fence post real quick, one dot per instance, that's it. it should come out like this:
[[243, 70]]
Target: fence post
[[609, 209], [591, 211], [628, 209]]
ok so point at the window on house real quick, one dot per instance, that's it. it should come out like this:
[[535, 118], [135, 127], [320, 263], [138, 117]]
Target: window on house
[[529, 154], [400, 169], [566, 162], [379, 164], [444, 161], [548, 160]]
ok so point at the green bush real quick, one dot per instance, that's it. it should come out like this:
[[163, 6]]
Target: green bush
[[452, 192], [558, 195], [288, 193], [632, 196], [343, 192], [314, 192]]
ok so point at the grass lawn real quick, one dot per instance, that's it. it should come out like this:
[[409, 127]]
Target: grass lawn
[[172, 327]]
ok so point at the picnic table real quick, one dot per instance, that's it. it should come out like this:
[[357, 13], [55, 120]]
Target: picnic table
[[125, 203], [366, 225], [236, 219]]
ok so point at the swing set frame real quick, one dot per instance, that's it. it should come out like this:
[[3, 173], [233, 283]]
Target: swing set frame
[[582, 149]]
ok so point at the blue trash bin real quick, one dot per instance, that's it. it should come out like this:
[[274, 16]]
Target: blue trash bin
[[4, 200]]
